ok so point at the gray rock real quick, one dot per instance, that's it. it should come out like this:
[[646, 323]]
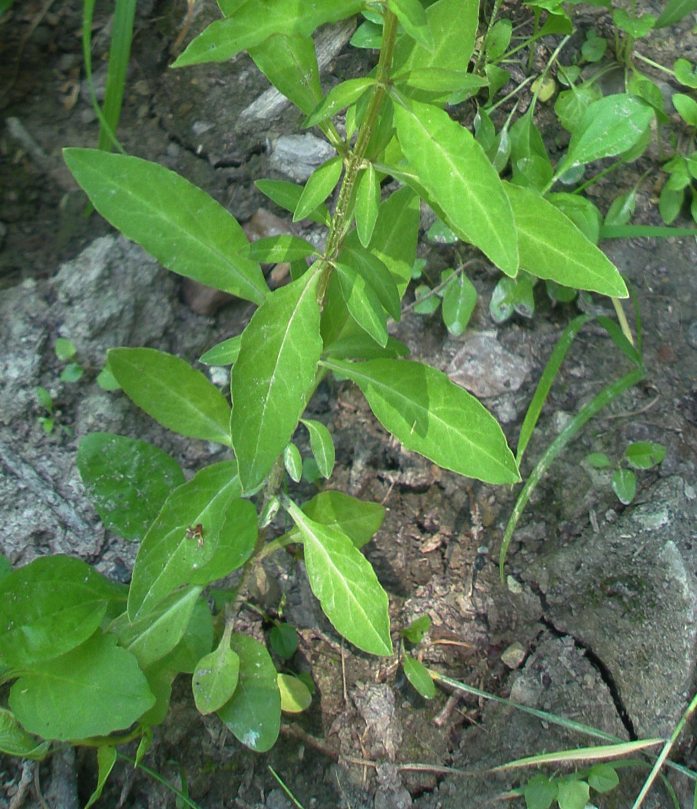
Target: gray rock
[[482, 365], [628, 594], [297, 156]]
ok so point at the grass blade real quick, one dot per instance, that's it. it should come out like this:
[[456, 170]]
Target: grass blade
[[119, 55]]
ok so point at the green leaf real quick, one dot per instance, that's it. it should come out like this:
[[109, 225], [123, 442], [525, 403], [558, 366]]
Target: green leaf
[[360, 346], [287, 195], [598, 460], [338, 98], [71, 373], [411, 15], [155, 634], [274, 375], [501, 304], [636, 25], [621, 209], [451, 167], [624, 485], [295, 695], [196, 642], [453, 28], [459, 300], [44, 398], [363, 303], [174, 394], [375, 273], [572, 794], [293, 462], [552, 247], [685, 72], [290, 64], [395, 235], [64, 349], [438, 81], [571, 105], [253, 23], [367, 204], [686, 107], [223, 353], [127, 480], [581, 211], [603, 778], [610, 126], [49, 607], [498, 39], [106, 758], [540, 792], [593, 49], [367, 35], [215, 678], [440, 233], [276, 249], [322, 446], [418, 676], [358, 519], [106, 380], [674, 11], [284, 640], [318, 188], [254, 712], [181, 226], [201, 523], [66, 698], [431, 415], [645, 454], [345, 584], [15, 741], [417, 629], [670, 203]]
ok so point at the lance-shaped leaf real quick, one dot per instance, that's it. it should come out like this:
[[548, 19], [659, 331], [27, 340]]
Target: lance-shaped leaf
[[345, 584], [65, 698], [273, 376], [367, 204], [127, 480], [552, 247], [338, 98], [185, 537], [453, 26], [223, 353], [181, 226], [374, 272], [418, 676], [363, 303], [275, 249], [318, 188], [287, 195], [453, 170], [172, 392], [49, 607], [431, 415], [254, 712], [322, 446], [459, 300], [154, 635], [290, 64], [253, 23]]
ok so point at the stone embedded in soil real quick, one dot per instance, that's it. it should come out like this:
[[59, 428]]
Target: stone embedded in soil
[[482, 365], [297, 156], [628, 594]]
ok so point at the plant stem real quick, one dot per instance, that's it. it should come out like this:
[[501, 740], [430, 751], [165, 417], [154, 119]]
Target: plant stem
[[354, 162], [653, 64]]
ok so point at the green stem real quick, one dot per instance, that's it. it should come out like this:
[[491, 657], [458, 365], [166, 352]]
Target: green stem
[[622, 320], [490, 25], [653, 64]]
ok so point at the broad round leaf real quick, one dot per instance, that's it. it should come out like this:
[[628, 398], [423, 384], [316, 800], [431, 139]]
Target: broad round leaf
[[645, 454], [295, 695], [624, 485], [15, 741], [127, 480], [48, 607], [66, 698], [215, 678], [254, 712]]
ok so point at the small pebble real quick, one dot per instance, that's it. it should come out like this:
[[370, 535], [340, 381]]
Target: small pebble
[[513, 655], [691, 335]]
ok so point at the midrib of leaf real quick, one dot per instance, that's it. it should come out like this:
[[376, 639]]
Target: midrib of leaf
[[455, 169], [353, 374], [254, 295]]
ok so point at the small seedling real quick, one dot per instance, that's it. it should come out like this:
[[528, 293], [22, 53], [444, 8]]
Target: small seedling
[[569, 791], [45, 400], [639, 455]]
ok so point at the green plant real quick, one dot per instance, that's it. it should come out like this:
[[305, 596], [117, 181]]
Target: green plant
[[91, 662], [638, 455]]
